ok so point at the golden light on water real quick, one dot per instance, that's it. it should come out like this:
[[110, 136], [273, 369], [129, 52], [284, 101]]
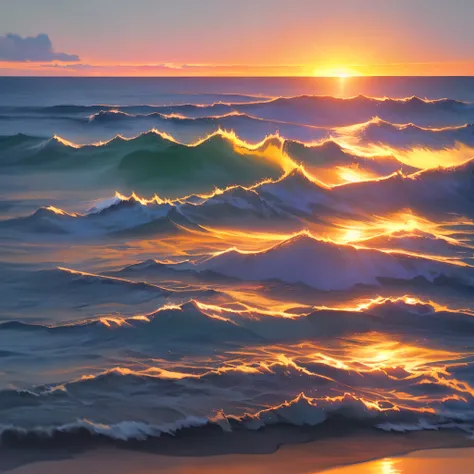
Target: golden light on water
[[353, 174], [352, 235], [388, 466]]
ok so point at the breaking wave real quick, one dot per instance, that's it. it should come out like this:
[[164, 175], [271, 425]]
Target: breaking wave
[[297, 194], [297, 260], [406, 136], [301, 411], [153, 161]]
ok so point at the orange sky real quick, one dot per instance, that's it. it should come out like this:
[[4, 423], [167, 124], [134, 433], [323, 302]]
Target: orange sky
[[237, 37], [101, 69]]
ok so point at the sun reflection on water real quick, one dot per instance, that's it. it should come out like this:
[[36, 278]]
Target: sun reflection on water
[[388, 466], [382, 466]]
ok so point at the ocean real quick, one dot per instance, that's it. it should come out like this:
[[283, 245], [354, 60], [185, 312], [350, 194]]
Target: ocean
[[192, 255]]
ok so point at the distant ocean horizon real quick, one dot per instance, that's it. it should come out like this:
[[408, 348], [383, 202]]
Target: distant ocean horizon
[[25, 90]]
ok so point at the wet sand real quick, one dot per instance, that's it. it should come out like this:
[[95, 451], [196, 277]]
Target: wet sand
[[438, 461], [312, 457]]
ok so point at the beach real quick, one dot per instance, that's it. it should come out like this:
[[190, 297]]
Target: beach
[[439, 461], [364, 452]]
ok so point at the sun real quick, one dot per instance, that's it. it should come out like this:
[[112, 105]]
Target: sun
[[340, 72]]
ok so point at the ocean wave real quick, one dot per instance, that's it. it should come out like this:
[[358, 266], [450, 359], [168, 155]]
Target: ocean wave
[[295, 261], [299, 412], [194, 358], [180, 100], [333, 164], [123, 431], [53, 294], [153, 161], [201, 323], [421, 242], [331, 111], [429, 191], [120, 216], [190, 129], [300, 194], [77, 285], [409, 135], [441, 189], [294, 196], [105, 123], [174, 323], [306, 109]]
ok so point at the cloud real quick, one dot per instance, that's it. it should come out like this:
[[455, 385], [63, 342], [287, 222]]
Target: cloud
[[32, 48]]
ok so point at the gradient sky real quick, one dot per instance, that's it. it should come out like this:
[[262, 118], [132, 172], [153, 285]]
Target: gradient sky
[[237, 37]]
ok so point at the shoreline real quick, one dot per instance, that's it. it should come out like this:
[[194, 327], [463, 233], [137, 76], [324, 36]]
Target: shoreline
[[333, 453], [430, 461]]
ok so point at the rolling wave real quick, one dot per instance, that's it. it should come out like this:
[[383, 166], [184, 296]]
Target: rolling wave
[[301, 411], [332, 163], [190, 129], [302, 118], [295, 196], [331, 111], [313, 110], [199, 323], [406, 136], [296, 261], [298, 193], [152, 161], [61, 291], [183, 100], [357, 390]]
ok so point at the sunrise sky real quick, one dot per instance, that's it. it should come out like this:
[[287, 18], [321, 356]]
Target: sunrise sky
[[236, 37]]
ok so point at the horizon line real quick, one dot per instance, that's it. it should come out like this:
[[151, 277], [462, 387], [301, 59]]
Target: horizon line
[[231, 77]]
